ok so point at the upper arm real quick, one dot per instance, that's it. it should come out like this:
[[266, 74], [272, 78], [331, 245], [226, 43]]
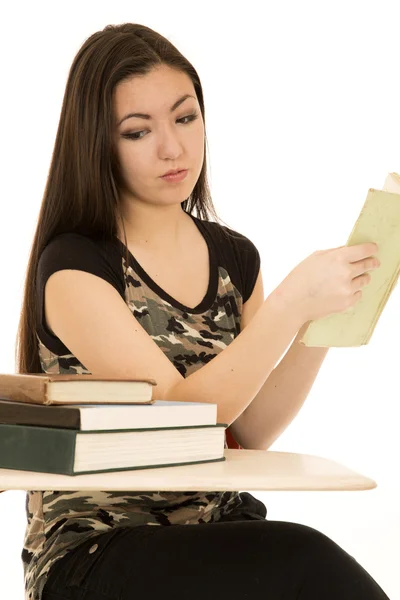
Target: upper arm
[[93, 321], [254, 302]]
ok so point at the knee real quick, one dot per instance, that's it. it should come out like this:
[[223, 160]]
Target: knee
[[314, 545]]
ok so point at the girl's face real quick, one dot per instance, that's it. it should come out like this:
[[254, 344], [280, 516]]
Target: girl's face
[[148, 147]]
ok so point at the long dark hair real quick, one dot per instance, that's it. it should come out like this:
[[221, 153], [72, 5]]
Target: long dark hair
[[82, 188]]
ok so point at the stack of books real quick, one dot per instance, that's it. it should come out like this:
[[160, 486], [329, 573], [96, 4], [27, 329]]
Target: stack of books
[[76, 424]]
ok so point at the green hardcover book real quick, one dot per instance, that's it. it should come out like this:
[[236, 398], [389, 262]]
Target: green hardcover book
[[72, 452], [379, 222]]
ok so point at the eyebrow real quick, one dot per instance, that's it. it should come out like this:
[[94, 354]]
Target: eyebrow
[[144, 116]]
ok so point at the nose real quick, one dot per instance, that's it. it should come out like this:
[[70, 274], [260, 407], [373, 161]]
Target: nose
[[170, 144]]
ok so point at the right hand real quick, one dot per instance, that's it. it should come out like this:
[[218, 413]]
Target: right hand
[[328, 281]]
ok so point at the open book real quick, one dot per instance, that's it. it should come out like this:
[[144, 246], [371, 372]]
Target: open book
[[379, 222]]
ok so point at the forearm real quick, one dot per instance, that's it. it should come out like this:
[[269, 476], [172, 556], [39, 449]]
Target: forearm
[[282, 395], [234, 377]]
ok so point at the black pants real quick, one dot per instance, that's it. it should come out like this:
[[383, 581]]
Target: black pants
[[226, 560]]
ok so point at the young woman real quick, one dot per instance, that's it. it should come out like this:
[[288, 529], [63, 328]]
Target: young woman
[[123, 279]]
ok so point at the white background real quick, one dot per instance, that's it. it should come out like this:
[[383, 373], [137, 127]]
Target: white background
[[302, 116]]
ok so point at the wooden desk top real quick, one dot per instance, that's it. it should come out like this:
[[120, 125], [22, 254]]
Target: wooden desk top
[[242, 470]]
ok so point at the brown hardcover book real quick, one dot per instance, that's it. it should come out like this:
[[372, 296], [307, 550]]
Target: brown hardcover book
[[43, 388], [100, 417]]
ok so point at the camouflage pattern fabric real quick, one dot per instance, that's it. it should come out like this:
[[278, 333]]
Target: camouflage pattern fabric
[[58, 521]]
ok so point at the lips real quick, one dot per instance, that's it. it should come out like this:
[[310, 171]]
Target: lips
[[176, 177], [175, 172]]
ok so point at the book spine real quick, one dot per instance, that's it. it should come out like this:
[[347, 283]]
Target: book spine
[[24, 388], [41, 449], [27, 413]]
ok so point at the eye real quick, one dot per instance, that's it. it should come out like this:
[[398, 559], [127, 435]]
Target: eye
[[134, 136]]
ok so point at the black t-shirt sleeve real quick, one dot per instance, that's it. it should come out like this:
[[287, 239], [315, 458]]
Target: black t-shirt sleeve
[[247, 258], [79, 252], [252, 268]]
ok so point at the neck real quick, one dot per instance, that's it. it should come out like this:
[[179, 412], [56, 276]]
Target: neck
[[159, 229]]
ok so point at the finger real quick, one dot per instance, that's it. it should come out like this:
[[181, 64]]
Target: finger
[[359, 282], [360, 251], [362, 266]]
